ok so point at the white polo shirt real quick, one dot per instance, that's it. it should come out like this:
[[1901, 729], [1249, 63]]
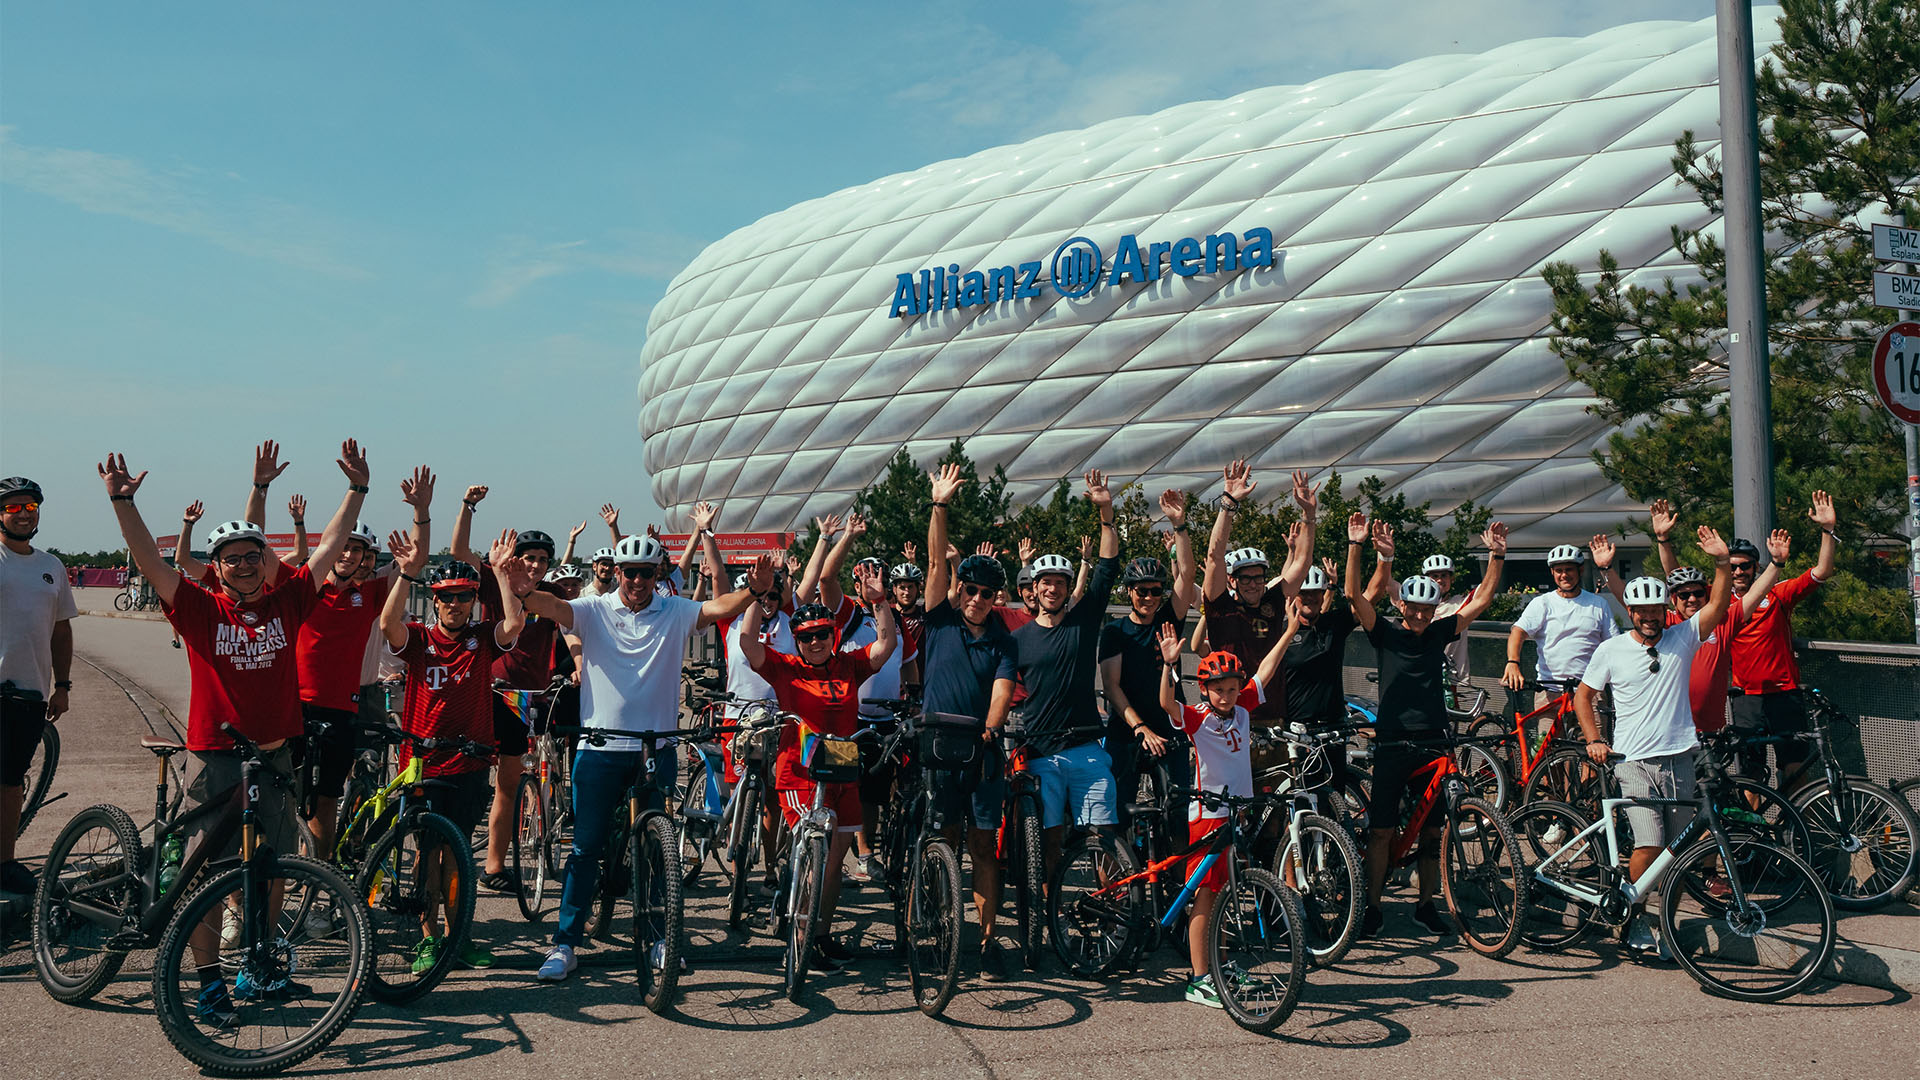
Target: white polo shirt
[[630, 663], [1567, 630]]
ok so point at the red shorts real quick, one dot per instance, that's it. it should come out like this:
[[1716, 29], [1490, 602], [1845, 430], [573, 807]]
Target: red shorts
[[729, 770], [842, 799], [1216, 878]]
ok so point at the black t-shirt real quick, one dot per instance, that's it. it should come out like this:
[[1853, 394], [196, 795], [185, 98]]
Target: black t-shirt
[[1138, 647], [1248, 631], [1412, 698], [1316, 691], [1059, 667]]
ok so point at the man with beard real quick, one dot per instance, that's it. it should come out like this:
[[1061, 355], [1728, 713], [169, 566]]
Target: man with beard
[[1243, 615], [36, 658], [1138, 729]]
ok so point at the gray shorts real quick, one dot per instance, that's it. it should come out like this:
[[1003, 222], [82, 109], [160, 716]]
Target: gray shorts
[[1669, 776], [214, 776]]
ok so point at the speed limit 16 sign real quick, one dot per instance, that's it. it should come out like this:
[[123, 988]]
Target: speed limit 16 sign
[[1896, 371]]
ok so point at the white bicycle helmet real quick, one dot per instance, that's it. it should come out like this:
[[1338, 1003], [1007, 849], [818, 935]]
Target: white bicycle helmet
[[1052, 564], [1437, 564], [638, 549], [228, 531], [1566, 553], [1420, 589], [1240, 557], [365, 534], [603, 553], [1316, 580], [566, 572], [1685, 575], [1646, 590]]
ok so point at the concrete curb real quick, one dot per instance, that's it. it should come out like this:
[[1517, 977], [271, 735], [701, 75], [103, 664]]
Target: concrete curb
[[144, 616]]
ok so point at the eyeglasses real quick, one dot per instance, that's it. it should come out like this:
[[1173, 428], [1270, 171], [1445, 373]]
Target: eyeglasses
[[1691, 594], [21, 507], [464, 596], [1145, 592], [642, 572], [976, 590], [1653, 660], [251, 558], [811, 636]]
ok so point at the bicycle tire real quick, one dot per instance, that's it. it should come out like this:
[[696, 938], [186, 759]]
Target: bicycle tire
[[1552, 920], [808, 865], [1568, 775], [1325, 871], [1863, 846], [39, 779], [1485, 878], [1093, 930], [1751, 810], [1714, 942], [1497, 736], [529, 842], [109, 872], [1255, 952], [1908, 790], [343, 957], [1483, 773], [658, 910], [122, 602], [616, 877], [389, 884], [933, 918], [1031, 893], [743, 848], [694, 846]]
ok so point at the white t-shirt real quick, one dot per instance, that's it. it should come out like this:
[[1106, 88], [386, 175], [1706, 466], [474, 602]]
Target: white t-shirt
[[744, 683], [34, 595], [885, 683], [630, 663], [1652, 714], [1567, 630], [1222, 749]]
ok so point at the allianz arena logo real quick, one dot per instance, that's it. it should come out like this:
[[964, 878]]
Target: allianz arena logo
[[1079, 267]]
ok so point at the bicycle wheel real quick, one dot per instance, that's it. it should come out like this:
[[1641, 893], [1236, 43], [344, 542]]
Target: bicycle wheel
[[1568, 775], [1751, 810], [1909, 792], [1323, 867], [933, 921], [657, 909], [1863, 842], [809, 866], [1486, 877], [1484, 774], [418, 878], [1255, 951], [616, 878], [357, 828], [122, 602], [1761, 949], [529, 848], [1497, 737], [39, 777], [1030, 894], [1094, 923], [285, 991], [89, 890], [696, 834], [1552, 919], [743, 849]]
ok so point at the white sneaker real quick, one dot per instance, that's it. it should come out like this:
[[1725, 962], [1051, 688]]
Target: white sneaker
[[871, 868], [1640, 936], [319, 921], [861, 869], [230, 929], [558, 965]]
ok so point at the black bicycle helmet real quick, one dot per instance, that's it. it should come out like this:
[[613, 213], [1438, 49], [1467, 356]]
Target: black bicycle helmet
[[20, 485], [983, 570], [1142, 571], [534, 538], [1741, 547], [453, 575]]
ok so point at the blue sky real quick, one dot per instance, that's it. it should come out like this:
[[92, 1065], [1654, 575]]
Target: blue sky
[[440, 227]]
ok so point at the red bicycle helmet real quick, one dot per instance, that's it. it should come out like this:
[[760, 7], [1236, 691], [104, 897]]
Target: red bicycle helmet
[[1220, 665], [811, 617]]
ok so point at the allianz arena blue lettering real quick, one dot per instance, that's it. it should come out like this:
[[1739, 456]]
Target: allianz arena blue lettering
[[1078, 267]]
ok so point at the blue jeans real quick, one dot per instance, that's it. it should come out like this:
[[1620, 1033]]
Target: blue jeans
[[600, 782]]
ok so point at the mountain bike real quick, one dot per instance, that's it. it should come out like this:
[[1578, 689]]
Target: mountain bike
[[1524, 747], [829, 760], [1745, 919], [1318, 858], [1478, 768], [226, 996], [704, 801], [540, 803], [41, 766], [1863, 835], [1256, 951], [1149, 833], [922, 867], [643, 865]]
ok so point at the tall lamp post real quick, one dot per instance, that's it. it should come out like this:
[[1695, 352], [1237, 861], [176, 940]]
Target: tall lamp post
[[1749, 392]]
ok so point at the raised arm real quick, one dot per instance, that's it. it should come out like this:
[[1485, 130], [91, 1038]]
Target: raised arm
[[829, 527], [946, 484], [1603, 553], [1722, 594], [1661, 519], [573, 539], [1306, 497], [1779, 550], [353, 463], [1269, 668], [417, 492], [1363, 612], [1239, 485], [1169, 671], [1495, 538], [297, 509], [727, 605], [1086, 568], [705, 518], [183, 559], [461, 542], [121, 487], [610, 514], [752, 649], [411, 559], [1182, 593], [1383, 547], [1824, 515], [873, 590], [830, 592], [267, 468], [516, 579]]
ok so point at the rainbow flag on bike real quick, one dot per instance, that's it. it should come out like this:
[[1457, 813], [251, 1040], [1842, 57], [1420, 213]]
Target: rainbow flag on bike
[[520, 702]]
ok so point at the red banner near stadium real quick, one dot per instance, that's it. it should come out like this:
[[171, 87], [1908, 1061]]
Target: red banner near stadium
[[281, 543], [736, 548]]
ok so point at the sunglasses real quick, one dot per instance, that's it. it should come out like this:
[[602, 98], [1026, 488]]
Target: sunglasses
[[464, 596], [20, 507], [1736, 567], [1653, 660], [1691, 594], [1255, 576], [1146, 592], [975, 590], [251, 558], [642, 572], [811, 636]]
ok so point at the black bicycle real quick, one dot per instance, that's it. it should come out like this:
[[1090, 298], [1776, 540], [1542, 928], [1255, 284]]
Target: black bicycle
[[242, 984], [1864, 836]]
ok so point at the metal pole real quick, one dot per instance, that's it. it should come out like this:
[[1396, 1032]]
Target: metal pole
[[1750, 396], [1913, 513]]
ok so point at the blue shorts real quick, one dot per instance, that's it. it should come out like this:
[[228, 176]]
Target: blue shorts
[[1080, 779], [981, 808]]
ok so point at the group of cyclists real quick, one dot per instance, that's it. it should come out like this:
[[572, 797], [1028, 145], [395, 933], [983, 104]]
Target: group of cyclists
[[286, 659]]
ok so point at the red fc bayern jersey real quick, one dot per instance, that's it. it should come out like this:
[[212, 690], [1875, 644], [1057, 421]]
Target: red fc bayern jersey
[[449, 691], [333, 641], [1763, 660]]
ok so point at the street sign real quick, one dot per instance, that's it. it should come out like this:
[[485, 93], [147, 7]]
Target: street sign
[[1891, 243], [1896, 370], [1898, 291]]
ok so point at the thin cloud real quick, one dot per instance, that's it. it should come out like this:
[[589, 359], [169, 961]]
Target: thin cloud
[[524, 262], [180, 200]]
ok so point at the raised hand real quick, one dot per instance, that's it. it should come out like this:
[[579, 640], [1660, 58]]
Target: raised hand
[[946, 482], [653, 531], [1294, 618], [1174, 505], [1086, 548], [411, 558], [985, 547], [1822, 511], [519, 574], [1779, 546], [1170, 643], [872, 590], [1660, 517], [793, 565], [1603, 550], [829, 526], [910, 552], [705, 515], [417, 490], [267, 466], [353, 462], [609, 513], [191, 515], [1097, 490], [1356, 528], [1383, 539], [475, 493], [1295, 533], [1305, 496], [1027, 551], [953, 553], [1239, 482], [297, 508], [856, 525], [502, 549], [1167, 539], [119, 479], [760, 578], [574, 533], [1328, 567], [1711, 543], [1495, 538]]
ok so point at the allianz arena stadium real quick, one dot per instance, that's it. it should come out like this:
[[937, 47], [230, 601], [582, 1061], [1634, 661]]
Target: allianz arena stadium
[[1341, 276]]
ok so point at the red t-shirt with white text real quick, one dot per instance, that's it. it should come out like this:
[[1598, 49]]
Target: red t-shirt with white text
[[449, 692], [241, 659], [333, 641]]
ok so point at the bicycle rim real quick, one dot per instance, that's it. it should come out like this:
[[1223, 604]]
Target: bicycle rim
[[1551, 919], [1571, 777], [94, 867], [293, 988], [1483, 773], [529, 834], [1863, 842], [1484, 877], [1254, 951], [933, 917], [1093, 926], [1763, 949], [1323, 867], [420, 871], [807, 866]]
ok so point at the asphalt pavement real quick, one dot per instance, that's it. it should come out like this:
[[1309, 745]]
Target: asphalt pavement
[[1407, 1005]]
